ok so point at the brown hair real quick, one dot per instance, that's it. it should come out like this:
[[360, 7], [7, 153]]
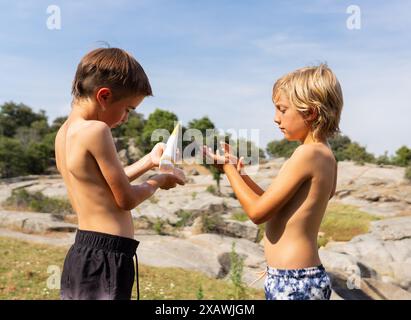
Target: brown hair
[[314, 89], [113, 68]]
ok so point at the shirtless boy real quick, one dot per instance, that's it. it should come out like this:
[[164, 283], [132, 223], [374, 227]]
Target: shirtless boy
[[308, 105], [108, 84]]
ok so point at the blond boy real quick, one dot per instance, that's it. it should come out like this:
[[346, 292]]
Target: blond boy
[[308, 105]]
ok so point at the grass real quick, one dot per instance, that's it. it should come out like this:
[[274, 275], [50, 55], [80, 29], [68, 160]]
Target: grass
[[158, 226], [23, 275], [343, 222], [22, 200], [239, 215], [211, 189], [153, 199], [184, 218], [210, 222]]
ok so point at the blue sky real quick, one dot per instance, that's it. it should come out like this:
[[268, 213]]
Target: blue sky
[[220, 58]]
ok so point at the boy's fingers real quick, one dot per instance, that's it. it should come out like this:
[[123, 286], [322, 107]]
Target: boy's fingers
[[180, 176], [226, 146]]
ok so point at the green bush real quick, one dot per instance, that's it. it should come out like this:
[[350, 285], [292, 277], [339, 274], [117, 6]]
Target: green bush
[[281, 148], [403, 156], [200, 293], [13, 161], [153, 199], [211, 189], [236, 273], [239, 215], [185, 217], [407, 174], [159, 119], [158, 226], [23, 200], [210, 222]]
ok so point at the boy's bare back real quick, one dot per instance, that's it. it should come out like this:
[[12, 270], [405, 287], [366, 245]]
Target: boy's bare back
[[89, 193], [291, 234]]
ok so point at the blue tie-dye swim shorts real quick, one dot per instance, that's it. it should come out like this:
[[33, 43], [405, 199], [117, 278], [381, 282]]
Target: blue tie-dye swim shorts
[[297, 284]]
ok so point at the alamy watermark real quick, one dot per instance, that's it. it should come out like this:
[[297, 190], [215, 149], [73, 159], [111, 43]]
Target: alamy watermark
[[53, 281], [53, 21], [242, 143], [354, 20]]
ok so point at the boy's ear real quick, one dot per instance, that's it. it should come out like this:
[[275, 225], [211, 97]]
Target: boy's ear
[[103, 95], [311, 114]]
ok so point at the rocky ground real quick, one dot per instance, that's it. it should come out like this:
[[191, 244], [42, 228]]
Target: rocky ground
[[173, 231]]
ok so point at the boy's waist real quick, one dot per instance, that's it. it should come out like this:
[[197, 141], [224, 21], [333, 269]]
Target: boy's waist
[[105, 241]]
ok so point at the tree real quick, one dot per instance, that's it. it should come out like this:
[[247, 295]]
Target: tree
[[281, 148], [13, 161], [210, 138], [57, 123], [37, 158], [13, 116], [133, 128], [339, 144], [203, 124], [159, 119], [403, 156], [383, 159], [357, 153]]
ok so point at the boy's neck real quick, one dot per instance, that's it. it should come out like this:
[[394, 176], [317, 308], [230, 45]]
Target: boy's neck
[[85, 109], [309, 139]]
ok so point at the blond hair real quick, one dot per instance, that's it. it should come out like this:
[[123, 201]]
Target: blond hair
[[314, 90]]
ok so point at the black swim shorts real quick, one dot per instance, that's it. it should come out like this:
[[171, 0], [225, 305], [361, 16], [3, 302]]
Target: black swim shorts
[[99, 266]]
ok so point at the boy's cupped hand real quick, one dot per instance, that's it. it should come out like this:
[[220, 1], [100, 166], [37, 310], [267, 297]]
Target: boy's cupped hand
[[170, 180]]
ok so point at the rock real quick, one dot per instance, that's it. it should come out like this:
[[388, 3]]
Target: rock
[[205, 203], [197, 227], [134, 153], [342, 193], [122, 154], [371, 196], [386, 251], [238, 229], [154, 212], [388, 291], [201, 253], [392, 229], [193, 172], [32, 222], [345, 264]]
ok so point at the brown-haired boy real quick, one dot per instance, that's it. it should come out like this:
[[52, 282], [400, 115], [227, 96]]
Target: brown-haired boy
[[108, 83]]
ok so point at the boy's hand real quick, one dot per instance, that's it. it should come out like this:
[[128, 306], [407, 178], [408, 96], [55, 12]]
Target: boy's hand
[[156, 153], [170, 180], [228, 157]]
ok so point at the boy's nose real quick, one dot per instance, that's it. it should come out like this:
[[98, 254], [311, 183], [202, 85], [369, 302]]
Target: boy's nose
[[277, 119]]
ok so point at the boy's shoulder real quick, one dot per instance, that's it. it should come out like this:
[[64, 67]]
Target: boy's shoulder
[[88, 128], [89, 133], [313, 155], [313, 150]]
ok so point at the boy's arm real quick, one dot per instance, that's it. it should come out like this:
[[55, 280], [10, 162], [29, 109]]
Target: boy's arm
[[100, 144], [250, 182], [146, 163], [261, 208], [138, 168]]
